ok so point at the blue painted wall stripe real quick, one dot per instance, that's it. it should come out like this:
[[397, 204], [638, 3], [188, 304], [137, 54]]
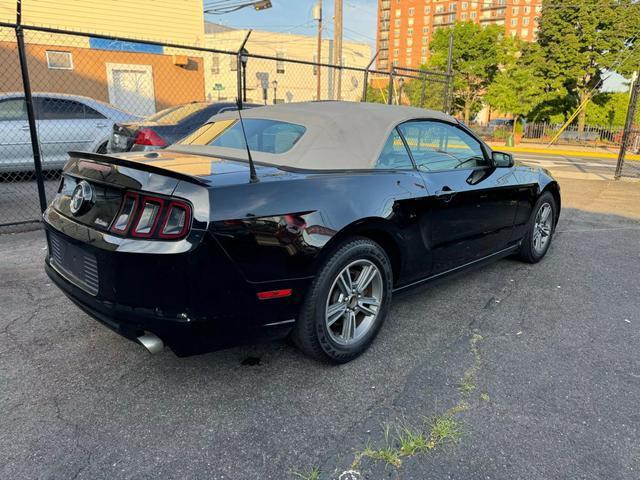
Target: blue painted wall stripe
[[118, 45]]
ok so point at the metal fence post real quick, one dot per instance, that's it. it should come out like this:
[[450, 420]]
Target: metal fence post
[[392, 72], [423, 89], [31, 117], [628, 124], [365, 87]]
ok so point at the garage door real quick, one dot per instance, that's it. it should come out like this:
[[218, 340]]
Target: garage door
[[131, 88]]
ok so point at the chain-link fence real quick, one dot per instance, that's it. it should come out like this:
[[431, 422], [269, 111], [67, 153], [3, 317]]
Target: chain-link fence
[[405, 86], [19, 199], [62, 91], [543, 133]]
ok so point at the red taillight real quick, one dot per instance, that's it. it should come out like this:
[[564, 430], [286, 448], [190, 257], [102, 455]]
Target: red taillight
[[274, 294], [126, 213], [176, 221], [147, 136], [149, 214], [146, 216]]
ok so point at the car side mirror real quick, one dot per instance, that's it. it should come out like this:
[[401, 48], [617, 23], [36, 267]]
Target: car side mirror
[[502, 160]]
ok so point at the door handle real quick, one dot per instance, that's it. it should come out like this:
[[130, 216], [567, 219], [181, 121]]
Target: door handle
[[100, 125], [24, 128], [445, 194]]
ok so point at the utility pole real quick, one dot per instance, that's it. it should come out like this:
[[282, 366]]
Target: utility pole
[[337, 45], [317, 15], [628, 125]]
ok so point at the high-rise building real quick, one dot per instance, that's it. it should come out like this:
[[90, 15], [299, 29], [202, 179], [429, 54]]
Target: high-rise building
[[405, 27]]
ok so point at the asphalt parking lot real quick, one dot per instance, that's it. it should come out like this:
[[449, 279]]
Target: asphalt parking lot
[[549, 354]]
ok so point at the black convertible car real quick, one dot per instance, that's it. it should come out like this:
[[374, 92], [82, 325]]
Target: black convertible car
[[348, 203]]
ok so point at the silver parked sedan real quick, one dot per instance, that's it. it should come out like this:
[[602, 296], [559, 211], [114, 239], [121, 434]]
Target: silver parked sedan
[[65, 123]]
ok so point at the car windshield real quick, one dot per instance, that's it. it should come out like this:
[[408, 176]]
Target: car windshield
[[173, 115], [268, 136]]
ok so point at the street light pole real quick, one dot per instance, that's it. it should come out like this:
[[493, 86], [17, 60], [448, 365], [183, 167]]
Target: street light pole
[[241, 62], [275, 90], [317, 15]]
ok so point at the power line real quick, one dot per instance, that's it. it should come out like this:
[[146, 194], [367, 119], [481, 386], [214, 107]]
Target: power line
[[359, 34], [220, 7]]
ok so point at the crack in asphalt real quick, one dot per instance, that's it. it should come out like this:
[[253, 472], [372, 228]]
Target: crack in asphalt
[[15, 339], [87, 454]]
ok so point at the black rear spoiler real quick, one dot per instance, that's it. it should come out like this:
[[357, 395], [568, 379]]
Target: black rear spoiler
[[123, 162]]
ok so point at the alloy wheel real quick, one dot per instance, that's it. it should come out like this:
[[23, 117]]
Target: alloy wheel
[[542, 228], [354, 302]]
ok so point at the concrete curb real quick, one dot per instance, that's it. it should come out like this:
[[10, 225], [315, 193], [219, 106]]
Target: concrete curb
[[577, 153]]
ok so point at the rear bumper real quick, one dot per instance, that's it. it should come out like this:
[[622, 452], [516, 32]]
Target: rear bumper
[[128, 321], [195, 301]]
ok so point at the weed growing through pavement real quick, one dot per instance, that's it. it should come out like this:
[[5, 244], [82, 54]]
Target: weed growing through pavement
[[313, 474], [467, 384], [403, 441]]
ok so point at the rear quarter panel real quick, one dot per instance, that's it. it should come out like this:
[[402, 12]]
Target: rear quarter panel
[[277, 228]]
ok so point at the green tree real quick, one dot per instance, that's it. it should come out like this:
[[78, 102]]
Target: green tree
[[517, 89], [426, 92], [581, 39], [609, 110], [376, 95], [555, 101], [476, 55]]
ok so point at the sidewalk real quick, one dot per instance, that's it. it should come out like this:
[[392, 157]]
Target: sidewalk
[[564, 150]]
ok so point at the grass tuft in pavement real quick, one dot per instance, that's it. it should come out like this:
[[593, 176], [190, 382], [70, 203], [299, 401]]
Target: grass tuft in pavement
[[313, 474], [467, 384], [402, 441], [444, 429]]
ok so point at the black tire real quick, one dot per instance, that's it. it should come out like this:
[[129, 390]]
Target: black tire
[[102, 148], [311, 333], [528, 252]]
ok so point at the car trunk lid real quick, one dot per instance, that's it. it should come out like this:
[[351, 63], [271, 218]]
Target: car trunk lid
[[111, 176]]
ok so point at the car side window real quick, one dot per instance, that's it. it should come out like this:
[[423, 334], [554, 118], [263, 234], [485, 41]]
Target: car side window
[[13, 109], [60, 109], [394, 154], [263, 135], [92, 113], [441, 146]]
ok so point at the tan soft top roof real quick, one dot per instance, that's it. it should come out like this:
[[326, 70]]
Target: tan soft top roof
[[340, 135]]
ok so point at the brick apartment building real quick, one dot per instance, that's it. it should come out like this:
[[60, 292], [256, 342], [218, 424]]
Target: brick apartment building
[[405, 27]]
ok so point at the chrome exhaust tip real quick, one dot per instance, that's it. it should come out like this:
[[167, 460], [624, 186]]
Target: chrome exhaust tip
[[151, 342]]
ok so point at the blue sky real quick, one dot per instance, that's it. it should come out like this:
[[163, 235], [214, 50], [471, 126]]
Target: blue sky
[[296, 16]]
